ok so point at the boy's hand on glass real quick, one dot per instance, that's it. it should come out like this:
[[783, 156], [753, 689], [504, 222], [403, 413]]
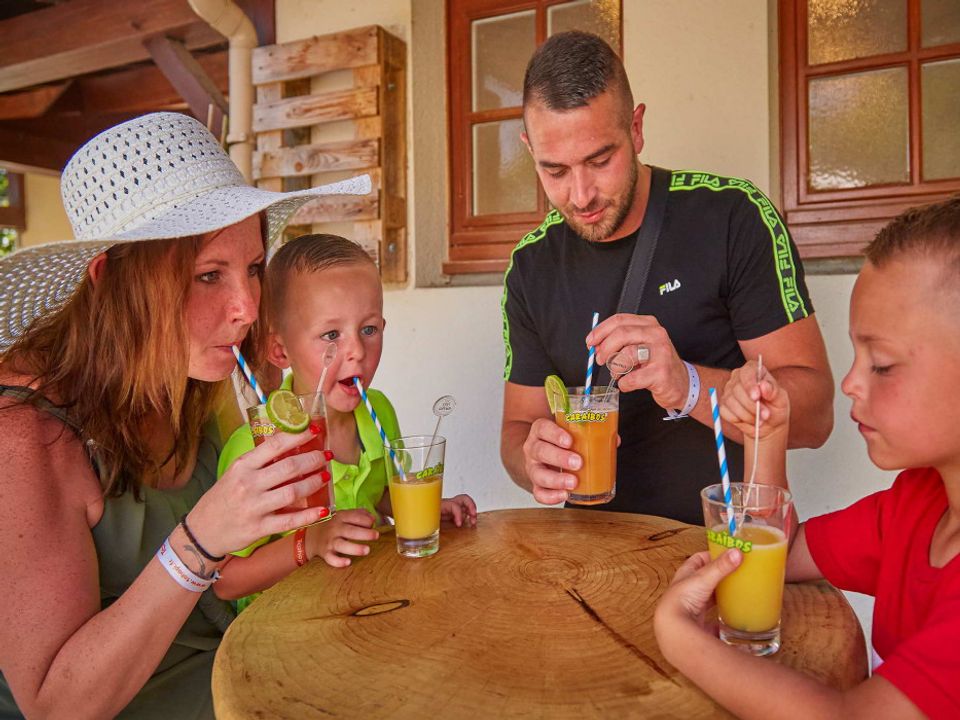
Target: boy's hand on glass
[[690, 594], [688, 598], [461, 509], [739, 403], [340, 536]]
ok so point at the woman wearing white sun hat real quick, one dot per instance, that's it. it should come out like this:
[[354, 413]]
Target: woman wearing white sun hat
[[112, 349]]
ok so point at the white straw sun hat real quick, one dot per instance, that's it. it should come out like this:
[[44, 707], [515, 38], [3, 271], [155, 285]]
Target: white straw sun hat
[[156, 177]]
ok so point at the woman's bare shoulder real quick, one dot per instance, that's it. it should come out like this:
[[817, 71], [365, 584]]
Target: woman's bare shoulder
[[43, 457]]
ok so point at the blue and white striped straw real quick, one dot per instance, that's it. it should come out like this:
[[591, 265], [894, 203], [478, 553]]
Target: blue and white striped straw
[[593, 351], [376, 421], [722, 457], [248, 374]]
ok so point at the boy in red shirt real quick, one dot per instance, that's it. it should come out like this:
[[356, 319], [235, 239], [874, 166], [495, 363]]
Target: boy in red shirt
[[901, 545]]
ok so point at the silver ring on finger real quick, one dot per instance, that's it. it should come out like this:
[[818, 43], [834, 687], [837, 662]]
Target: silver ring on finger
[[643, 354]]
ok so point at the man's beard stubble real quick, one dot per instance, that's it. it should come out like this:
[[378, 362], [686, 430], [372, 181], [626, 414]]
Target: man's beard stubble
[[599, 232]]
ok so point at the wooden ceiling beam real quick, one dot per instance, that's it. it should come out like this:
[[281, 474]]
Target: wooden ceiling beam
[[185, 74], [31, 103], [20, 147], [144, 88], [85, 36]]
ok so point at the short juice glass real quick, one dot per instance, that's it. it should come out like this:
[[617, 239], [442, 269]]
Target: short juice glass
[[592, 421], [749, 599], [415, 496], [262, 427]]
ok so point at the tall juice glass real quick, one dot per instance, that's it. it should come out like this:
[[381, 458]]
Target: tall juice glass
[[592, 421], [262, 427], [750, 598], [415, 496]]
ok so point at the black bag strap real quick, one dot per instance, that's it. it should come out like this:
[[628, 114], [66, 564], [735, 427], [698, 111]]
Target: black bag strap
[[646, 245]]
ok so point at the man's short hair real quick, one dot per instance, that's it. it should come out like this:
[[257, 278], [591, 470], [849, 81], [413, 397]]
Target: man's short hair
[[928, 230], [572, 68]]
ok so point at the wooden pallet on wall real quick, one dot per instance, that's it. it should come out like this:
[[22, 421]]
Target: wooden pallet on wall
[[288, 117]]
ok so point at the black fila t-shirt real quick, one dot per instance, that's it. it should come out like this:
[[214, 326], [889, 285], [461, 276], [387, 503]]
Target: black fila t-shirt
[[725, 270]]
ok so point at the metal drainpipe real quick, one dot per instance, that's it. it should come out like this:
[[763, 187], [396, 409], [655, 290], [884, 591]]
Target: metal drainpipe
[[230, 21]]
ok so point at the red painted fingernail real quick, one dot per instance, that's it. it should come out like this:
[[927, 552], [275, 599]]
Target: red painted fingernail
[[325, 475], [314, 429], [324, 511], [328, 454]]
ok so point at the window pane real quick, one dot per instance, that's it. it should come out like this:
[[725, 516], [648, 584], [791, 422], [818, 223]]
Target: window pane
[[600, 17], [940, 88], [845, 29], [504, 180], [501, 47], [859, 133], [940, 22]]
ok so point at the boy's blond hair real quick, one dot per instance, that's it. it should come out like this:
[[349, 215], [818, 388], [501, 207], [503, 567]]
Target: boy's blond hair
[[306, 254], [926, 230]]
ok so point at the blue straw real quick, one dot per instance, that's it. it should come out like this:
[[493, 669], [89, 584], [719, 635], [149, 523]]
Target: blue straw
[[248, 374], [376, 421], [593, 351], [722, 457]]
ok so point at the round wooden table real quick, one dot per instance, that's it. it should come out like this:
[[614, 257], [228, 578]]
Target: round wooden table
[[534, 613]]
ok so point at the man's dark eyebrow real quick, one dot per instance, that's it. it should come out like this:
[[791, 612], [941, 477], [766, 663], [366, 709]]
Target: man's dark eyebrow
[[602, 151], [592, 156]]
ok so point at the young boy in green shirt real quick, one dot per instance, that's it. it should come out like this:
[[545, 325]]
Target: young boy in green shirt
[[322, 289]]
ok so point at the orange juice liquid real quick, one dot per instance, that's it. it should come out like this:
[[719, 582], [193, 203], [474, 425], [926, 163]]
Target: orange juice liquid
[[416, 506], [750, 598], [594, 434]]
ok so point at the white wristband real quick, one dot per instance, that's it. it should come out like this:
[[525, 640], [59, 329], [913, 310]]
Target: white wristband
[[693, 395], [178, 570]]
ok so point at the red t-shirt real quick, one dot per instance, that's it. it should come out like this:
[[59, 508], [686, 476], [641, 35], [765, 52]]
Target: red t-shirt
[[880, 546]]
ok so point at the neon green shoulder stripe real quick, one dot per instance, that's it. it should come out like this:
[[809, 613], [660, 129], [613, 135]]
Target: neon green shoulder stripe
[[784, 262], [552, 218]]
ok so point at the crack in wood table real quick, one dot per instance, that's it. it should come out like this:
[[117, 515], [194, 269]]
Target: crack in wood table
[[535, 613]]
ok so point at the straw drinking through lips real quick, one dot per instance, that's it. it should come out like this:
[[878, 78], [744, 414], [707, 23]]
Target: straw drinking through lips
[[248, 373], [376, 421], [593, 351], [722, 458]]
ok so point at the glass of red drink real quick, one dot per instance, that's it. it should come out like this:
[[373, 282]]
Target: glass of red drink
[[262, 427]]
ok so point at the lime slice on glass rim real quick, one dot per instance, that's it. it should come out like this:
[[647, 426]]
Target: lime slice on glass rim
[[284, 411], [557, 396]]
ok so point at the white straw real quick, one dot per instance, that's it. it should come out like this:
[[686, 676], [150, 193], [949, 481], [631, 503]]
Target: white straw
[[756, 425], [328, 358]]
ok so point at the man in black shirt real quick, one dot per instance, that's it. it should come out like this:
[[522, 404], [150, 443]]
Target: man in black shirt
[[725, 285]]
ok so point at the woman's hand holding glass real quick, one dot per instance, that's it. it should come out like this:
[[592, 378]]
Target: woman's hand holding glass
[[242, 506]]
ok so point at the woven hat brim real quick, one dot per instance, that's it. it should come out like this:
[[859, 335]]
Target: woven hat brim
[[40, 280], [221, 207]]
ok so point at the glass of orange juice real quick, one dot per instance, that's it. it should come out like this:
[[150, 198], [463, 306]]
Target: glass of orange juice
[[592, 421], [415, 495], [750, 598]]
